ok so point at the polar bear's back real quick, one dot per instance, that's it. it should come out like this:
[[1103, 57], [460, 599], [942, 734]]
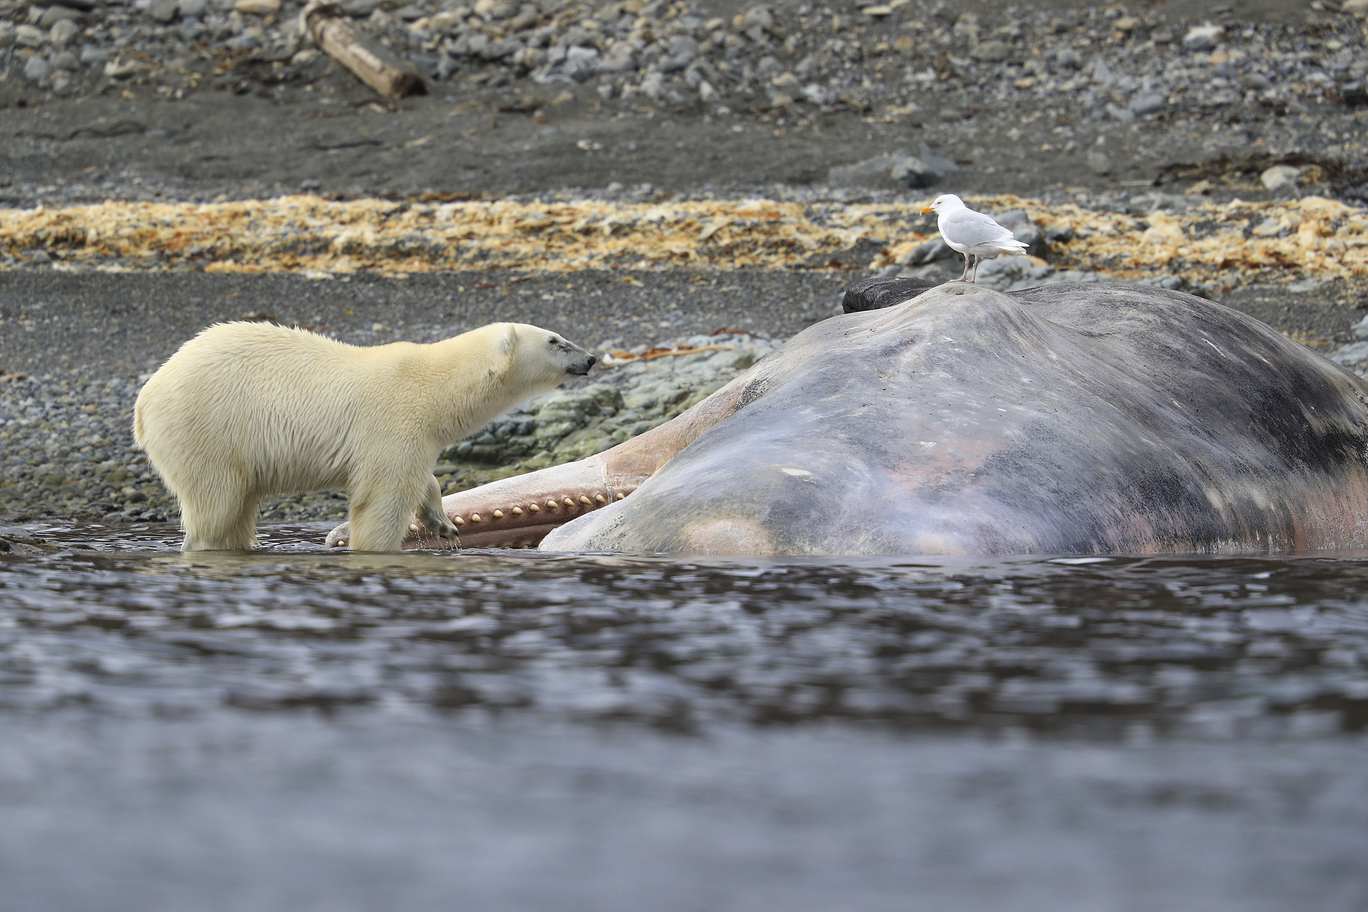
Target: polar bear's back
[[260, 401]]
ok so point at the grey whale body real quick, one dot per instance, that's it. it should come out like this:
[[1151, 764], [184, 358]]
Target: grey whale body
[[1076, 419]]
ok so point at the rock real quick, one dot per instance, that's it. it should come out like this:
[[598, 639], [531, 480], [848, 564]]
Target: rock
[[6, 33], [1361, 329], [193, 9], [1025, 230], [991, 51], [497, 10], [1280, 177], [580, 63], [164, 10], [757, 17], [681, 53], [1353, 356], [912, 172], [653, 85], [259, 7], [1202, 37], [55, 14], [29, 36], [63, 32], [66, 60], [1098, 162], [1147, 103], [929, 252], [36, 68], [1357, 7]]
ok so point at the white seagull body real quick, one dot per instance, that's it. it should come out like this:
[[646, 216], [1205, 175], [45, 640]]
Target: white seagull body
[[971, 234]]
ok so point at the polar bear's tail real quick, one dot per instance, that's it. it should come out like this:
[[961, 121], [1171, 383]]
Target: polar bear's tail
[[138, 424]]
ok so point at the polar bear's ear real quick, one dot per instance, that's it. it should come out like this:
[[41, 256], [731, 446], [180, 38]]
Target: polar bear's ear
[[508, 340]]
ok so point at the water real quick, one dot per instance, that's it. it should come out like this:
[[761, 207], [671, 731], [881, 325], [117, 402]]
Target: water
[[299, 729]]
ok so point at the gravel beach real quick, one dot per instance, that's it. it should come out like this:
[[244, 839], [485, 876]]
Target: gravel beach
[[677, 170]]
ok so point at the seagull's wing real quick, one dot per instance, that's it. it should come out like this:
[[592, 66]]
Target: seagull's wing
[[972, 228]]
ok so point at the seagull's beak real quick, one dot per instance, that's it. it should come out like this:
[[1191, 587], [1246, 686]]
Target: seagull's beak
[[927, 210]]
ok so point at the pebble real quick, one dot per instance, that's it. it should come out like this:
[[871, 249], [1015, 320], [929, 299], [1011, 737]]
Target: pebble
[[164, 10], [260, 7], [55, 14], [1202, 37], [992, 51], [36, 68], [29, 36], [1146, 103], [1280, 177], [63, 32]]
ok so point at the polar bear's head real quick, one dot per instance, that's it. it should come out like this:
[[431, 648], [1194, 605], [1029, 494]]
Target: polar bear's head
[[539, 359]]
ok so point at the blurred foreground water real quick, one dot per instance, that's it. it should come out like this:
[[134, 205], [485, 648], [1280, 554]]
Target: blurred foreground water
[[308, 730]]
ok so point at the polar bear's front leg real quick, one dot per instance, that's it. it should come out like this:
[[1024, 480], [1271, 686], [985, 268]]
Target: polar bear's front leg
[[382, 505], [434, 519]]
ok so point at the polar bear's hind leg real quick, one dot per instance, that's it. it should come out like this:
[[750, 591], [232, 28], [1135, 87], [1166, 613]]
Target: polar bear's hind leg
[[219, 519]]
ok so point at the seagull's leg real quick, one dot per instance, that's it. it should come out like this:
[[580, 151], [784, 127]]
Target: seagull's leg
[[974, 278], [965, 274]]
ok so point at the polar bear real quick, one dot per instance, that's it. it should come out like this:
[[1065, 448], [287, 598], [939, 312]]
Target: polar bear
[[244, 410]]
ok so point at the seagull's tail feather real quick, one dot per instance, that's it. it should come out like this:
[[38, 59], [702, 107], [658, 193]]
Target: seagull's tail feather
[[1012, 247]]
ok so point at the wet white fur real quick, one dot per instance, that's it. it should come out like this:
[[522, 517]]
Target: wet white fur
[[245, 410]]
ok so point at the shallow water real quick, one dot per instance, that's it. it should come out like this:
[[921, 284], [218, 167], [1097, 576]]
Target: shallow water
[[300, 729]]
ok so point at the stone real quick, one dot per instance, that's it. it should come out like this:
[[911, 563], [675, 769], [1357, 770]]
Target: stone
[[1147, 103], [1202, 37], [193, 9], [580, 63], [1025, 230], [63, 32], [36, 68], [29, 36], [1353, 356], [681, 53], [1280, 177], [991, 51], [928, 251], [1361, 329], [496, 9], [66, 60], [1099, 163], [258, 7], [55, 14], [164, 10], [757, 17]]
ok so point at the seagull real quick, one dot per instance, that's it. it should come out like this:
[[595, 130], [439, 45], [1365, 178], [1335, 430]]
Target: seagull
[[971, 234]]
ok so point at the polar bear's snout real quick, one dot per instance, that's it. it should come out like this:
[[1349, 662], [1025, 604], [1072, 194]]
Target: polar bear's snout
[[581, 367], [574, 359]]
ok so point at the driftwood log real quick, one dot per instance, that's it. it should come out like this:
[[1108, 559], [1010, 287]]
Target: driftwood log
[[332, 31]]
